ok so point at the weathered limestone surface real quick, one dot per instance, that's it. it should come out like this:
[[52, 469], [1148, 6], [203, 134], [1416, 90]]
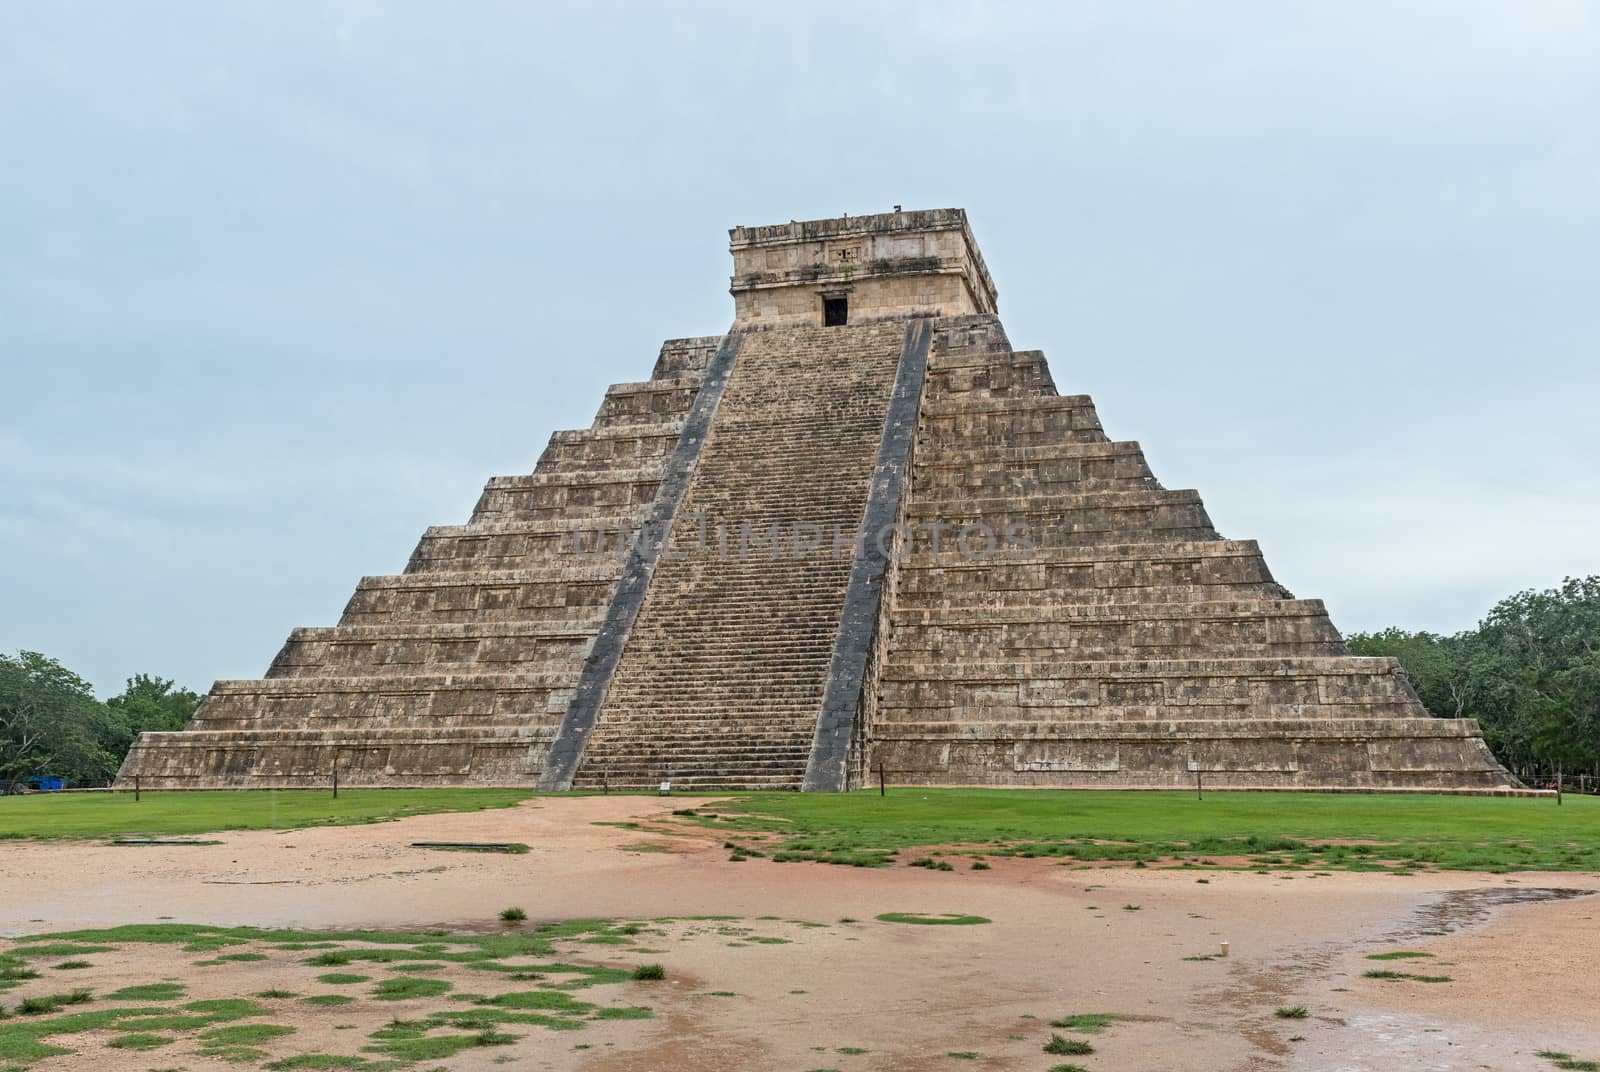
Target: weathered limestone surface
[[1041, 611], [891, 265], [1131, 645], [458, 670]]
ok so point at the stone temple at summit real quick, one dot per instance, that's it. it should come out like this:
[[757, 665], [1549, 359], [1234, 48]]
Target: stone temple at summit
[[858, 531]]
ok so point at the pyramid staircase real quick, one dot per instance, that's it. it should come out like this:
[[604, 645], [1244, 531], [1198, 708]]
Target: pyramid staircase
[[725, 669]]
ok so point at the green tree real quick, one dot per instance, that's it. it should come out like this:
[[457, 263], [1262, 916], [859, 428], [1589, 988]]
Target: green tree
[[1542, 657], [50, 723], [1529, 673], [1445, 670], [153, 704]]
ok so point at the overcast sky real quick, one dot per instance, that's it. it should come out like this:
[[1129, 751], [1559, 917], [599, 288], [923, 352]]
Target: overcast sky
[[283, 284]]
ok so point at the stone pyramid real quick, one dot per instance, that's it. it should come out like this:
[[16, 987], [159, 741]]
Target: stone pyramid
[[858, 531]]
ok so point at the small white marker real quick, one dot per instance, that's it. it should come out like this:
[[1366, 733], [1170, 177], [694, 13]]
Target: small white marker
[[1224, 948]]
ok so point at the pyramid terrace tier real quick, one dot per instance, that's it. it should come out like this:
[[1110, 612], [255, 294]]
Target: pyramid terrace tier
[[1203, 571], [1000, 472], [1352, 754], [1055, 689], [575, 592], [1028, 421], [648, 402], [389, 650], [387, 702], [1170, 630], [685, 357], [590, 543], [304, 759], [977, 333], [1048, 521], [590, 450], [977, 374], [570, 496]]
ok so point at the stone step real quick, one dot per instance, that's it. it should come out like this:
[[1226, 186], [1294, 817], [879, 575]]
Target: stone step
[[723, 646], [698, 755], [730, 784], [717, 712]]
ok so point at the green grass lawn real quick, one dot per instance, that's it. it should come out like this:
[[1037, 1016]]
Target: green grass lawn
[[1272, 829], [101, 814], [1280, 830]]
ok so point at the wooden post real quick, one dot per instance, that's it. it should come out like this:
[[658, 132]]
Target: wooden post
[[1199, 789], [335, 774], [1558, 787], [883, 784], [136, 789]]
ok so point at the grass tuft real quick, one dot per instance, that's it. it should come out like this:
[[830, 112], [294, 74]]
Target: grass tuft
[[1405, 976], [1087, 1023], [405, 987], [148, 992], [1059, 1045], [140, 1041], [38, 1006]]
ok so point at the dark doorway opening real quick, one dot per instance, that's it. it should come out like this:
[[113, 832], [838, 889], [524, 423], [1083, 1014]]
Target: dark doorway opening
[[835, 312]]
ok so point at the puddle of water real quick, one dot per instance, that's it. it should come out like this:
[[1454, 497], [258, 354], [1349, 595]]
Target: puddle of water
[[1455, 909]]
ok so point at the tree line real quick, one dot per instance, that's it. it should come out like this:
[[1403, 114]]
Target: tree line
[[1529, 673], [52, 724]]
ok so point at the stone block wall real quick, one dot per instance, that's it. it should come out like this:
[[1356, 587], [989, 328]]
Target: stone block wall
[[458, 670], [1127, 643], [889, 265]]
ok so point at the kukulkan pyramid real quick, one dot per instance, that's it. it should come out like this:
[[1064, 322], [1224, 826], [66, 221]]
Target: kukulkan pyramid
[[858, 531]]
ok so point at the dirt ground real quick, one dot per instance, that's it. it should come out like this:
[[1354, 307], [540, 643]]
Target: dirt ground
[[1063, 941]]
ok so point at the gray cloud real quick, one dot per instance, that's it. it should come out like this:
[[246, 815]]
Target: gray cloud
[[283, 284]]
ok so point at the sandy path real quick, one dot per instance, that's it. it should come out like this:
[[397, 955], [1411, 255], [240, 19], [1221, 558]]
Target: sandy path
[[1061, 942]]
